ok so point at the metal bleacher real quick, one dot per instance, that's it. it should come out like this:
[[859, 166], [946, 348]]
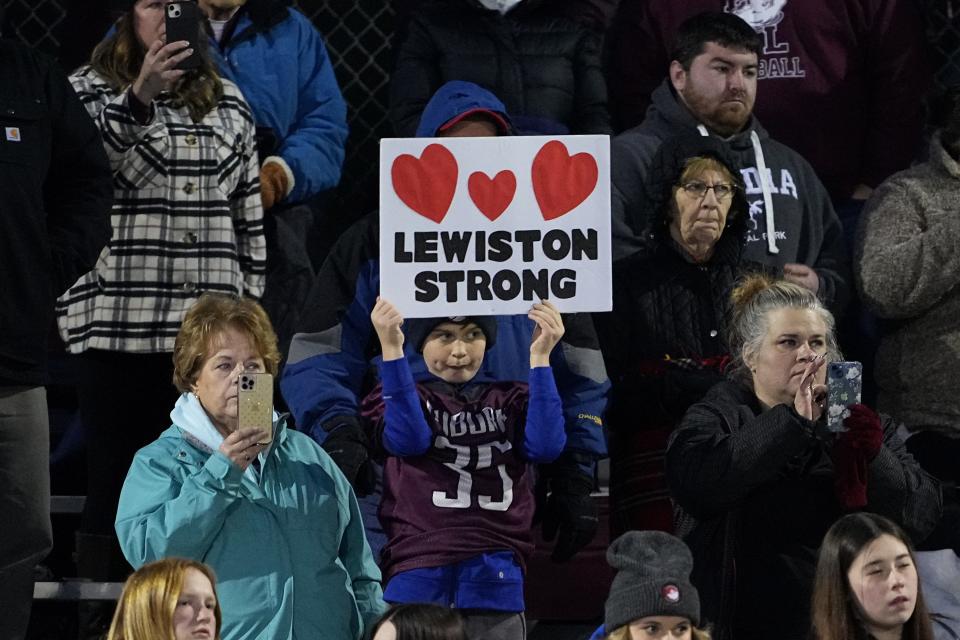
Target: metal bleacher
[[73, 589]]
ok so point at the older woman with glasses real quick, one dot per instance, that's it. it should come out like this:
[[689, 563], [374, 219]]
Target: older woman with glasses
[[663, 342], [273, 516]]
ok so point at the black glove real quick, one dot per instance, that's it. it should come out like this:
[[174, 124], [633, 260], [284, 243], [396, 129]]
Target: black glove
[[349, 447], [569, 512]]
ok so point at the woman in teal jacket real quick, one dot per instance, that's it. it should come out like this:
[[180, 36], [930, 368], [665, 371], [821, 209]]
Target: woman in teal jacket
[[278, 522]]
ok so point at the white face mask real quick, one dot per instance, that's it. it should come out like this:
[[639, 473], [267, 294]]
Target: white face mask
[[503, 6]]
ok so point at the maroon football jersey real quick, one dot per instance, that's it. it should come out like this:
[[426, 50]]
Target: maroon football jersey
[[471, 492]]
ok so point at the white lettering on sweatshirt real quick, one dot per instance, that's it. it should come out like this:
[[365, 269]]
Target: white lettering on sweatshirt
[[765, 17], [785, 187]]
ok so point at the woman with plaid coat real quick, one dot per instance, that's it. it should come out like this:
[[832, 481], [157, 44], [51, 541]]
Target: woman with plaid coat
[[187, 219]]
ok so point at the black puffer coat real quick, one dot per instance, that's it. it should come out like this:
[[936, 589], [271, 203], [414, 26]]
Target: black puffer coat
[[669, 313], [544, 67]]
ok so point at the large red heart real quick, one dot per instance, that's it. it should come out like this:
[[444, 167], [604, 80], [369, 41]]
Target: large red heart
[[426, 184], [492, 197], [562, 182]]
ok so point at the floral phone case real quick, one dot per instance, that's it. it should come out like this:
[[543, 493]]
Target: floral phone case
[[255, 404], [844, 384]]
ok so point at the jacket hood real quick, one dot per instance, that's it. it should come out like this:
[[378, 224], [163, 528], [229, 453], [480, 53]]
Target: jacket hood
[[458, 98], [664, 174], [189, 415], [939, 156], [668, 116]]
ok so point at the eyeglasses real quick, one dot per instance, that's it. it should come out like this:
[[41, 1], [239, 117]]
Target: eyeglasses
[[699, 189]]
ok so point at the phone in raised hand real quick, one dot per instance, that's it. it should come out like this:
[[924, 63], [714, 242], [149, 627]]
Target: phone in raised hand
[[255, 404], [844, 386]]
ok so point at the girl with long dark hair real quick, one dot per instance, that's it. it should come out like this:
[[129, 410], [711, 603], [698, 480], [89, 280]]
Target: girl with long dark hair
[[866, 584]]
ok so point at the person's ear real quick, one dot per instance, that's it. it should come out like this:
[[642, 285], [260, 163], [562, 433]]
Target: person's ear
[[193, 383], [678, 76]]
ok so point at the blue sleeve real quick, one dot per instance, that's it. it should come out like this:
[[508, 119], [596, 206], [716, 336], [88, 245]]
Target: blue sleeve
[[329, 355], [582, 381], [160, 514], [544, 437], [405, 431], [355, 554], [579, 372], [314, 148]]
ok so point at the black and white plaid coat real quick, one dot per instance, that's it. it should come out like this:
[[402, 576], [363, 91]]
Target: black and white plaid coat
[[187, 219]]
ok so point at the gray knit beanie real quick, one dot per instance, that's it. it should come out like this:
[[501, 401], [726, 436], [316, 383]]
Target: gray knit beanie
[[653, 579]]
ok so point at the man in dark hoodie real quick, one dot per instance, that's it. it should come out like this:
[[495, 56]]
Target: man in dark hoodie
[[711, 88], [854, 69], [332, 359]]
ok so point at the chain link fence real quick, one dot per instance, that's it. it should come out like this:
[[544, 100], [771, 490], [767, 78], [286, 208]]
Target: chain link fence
[[35, 22], [359, 34], [943, 36]]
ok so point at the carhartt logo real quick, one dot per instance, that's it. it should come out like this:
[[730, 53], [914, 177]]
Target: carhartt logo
[[13, 133]]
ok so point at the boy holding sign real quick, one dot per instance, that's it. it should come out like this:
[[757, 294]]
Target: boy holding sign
[[333, 354], [458, 493]]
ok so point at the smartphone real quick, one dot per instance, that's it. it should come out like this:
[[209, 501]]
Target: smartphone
[[183, 23], [255, 404], [844, 384]]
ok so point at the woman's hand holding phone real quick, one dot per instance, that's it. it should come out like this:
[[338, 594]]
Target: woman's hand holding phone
[[158, 71], [241, 447], [811, 396]]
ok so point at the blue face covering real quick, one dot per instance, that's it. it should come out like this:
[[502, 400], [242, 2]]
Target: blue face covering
[[502, 6]]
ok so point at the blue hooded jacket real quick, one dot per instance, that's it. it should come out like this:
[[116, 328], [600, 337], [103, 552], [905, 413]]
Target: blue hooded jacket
[[278, 59], [332, 359]]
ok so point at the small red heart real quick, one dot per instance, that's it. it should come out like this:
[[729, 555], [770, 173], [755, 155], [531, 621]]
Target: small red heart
[[426, 184], [492, 197], [562, 182]]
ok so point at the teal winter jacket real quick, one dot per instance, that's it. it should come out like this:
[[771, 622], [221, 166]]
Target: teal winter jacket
[[287, 544]]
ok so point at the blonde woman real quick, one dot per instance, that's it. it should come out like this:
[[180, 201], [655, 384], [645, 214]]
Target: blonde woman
[[278, 522], [762, 479], [171, 599]]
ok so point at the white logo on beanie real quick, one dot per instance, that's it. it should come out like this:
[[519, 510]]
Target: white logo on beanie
[[670, 593]]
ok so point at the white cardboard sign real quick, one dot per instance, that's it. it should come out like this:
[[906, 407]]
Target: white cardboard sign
[[488, 226]]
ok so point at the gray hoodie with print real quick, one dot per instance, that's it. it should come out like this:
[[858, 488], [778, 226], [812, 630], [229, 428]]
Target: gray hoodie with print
[[792, 199]]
